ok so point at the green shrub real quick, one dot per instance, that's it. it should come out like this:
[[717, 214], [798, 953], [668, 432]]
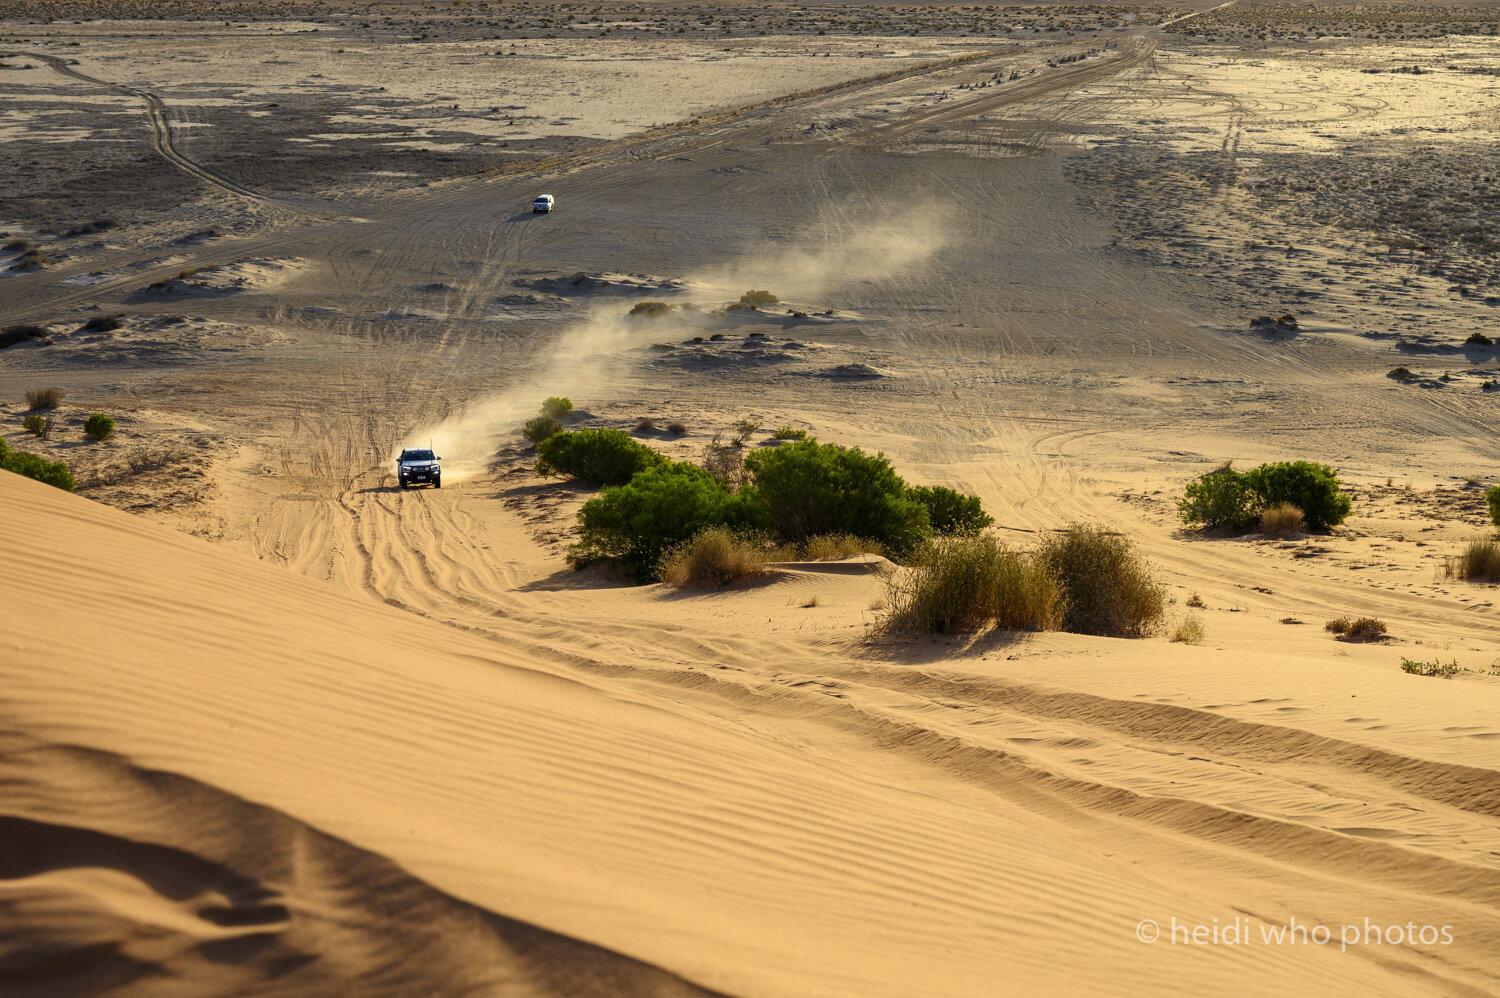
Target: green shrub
[[649, 310], [539, 428], [54, 473], [38, 425], [595, 457], [713, 557], [44, 398], [1478, 339], [789, 433], [98, 427], [1108, 586], [742, 431], [1312, 488], [1492, 499], [808, 488], [663, 506], [557, 407], [758, 298], [951, 512], [1233, 501], [1219, 499], [962, 583], [1436, 668]]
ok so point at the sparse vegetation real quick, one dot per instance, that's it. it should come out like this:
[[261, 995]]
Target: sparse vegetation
[[557, 407], [725, 463], [92, 228], [1492, 502], [1401, 373], [742, 431], [98, 427], [1108, 587], [54, 473], [950, 511], [789, 433], [676, 429], [539, 428], [1480, 561], [1356, 628], [1436, 668], [39, 426], [32, 259], [649, 310], [831, 547], [713, 557], [1281, 520], [1190, 630], [20, 333], [44, 398], [758, 298], [595, 457], [1478, 339], [101, 324], [963, 583]]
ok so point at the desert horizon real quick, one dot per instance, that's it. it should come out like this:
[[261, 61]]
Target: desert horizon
[[859, 499]]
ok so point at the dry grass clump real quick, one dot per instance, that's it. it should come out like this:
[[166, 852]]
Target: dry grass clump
[[829, 547], [676, 429], [44, 398], [1356, 628], [646, 425], [1480, 560], [962, 583], [1282, 520], [1190, 631], [714, 557], [1108, 586]]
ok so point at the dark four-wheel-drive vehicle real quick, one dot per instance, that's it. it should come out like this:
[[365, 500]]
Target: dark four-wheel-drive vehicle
[[419, 466]]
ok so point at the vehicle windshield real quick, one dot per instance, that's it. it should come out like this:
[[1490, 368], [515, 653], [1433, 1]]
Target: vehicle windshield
[[417, 455]]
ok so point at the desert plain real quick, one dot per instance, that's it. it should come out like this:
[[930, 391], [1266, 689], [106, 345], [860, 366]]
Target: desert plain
[[272, 725]]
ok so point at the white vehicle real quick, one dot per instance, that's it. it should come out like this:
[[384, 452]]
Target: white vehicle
[[543, 202]]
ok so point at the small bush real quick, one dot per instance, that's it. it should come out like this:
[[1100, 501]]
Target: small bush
[[44, 398], [557, 407], [92, 228], [98, 427], [1281, 520], [39, 426], [962, 583], [742, 431], [54, 473], [1480, 561], [1356, 628], [539, 428], [649, 310], [951, 512], [1440, 670], [714, 557], [1492, 500], [831, 547], [595, 457], [101, 324], [1477, 339], [1190, 631], [725, 463], [1108, 586], [1312, 488], [758, 298], [31, 260], [645, 426], [789, 433], [1402, 373], [808, 488], [676, 429], [1219, 499], [17, 246], [663, 506], [20, 333]]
